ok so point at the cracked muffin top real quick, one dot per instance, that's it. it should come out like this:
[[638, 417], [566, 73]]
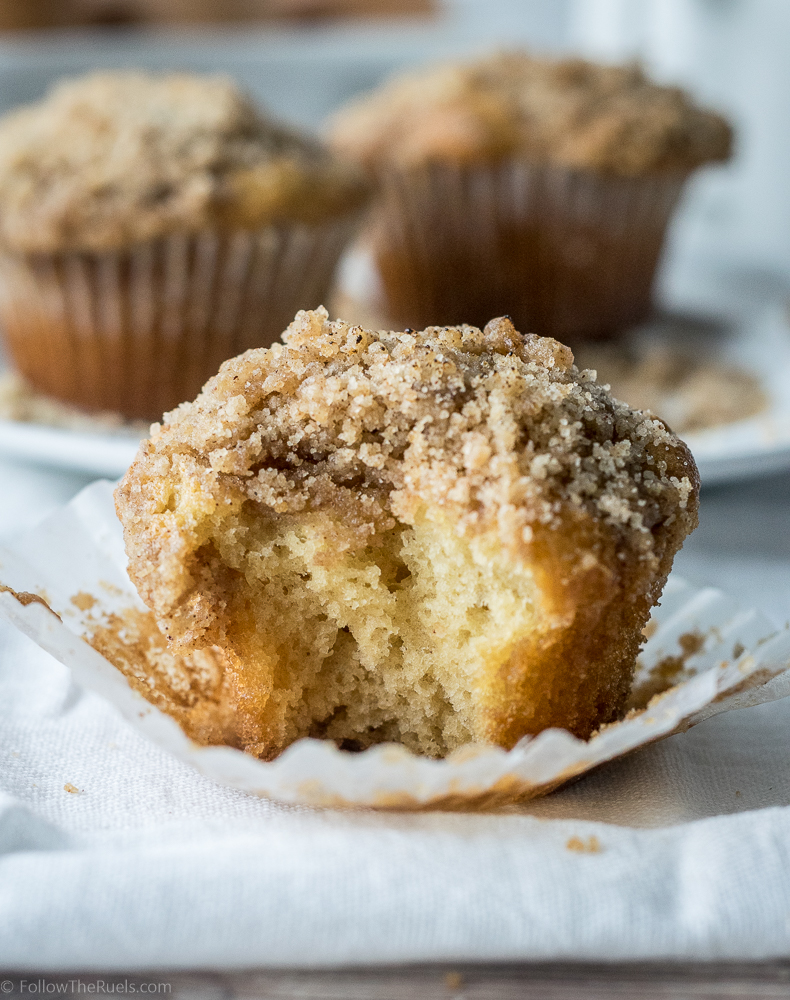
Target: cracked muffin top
[[112, 159], [610, 119]]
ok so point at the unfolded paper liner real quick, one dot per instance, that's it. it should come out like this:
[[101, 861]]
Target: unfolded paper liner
[[565, 253], [139, 330], [704, 655]]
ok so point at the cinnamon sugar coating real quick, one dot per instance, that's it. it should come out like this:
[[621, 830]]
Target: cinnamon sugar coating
[[112, 159], [433, 537], [610, 119]]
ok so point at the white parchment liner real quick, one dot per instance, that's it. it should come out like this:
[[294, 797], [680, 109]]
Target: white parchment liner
[[741, 660]]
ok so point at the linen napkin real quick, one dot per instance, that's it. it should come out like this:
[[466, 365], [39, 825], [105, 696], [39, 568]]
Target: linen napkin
[[114, 855]]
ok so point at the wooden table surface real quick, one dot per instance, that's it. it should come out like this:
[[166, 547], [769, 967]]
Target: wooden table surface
[[448, 982]]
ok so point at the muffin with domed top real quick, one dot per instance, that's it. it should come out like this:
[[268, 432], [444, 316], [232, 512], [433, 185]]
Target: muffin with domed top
[[153, 226], [434, 538], [529, 186]]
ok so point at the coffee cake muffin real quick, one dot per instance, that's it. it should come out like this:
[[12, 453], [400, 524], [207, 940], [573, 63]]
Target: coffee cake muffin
[[435, 538], [153, 226], [526, 186]]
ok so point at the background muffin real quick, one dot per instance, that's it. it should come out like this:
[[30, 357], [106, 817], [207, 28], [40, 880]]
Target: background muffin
[[536, 188], [434, 538], [151, 227]]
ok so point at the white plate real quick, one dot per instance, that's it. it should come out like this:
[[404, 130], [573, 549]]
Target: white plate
[[739, 450], [100, 454], [761, 444]]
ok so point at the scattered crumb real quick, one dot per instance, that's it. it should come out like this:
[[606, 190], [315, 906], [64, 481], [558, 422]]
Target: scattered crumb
[[667, 672], [453, 980], [737, 794], [590, 846], [21, 403], [738, 650], [71, 789], [650, 629], [691, 643], [691, 390], [83, 601]]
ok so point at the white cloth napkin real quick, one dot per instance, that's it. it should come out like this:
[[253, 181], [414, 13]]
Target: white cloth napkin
[[148, 864]]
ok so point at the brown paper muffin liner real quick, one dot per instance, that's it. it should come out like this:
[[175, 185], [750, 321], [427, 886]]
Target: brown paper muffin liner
[[139, 330], [566, 253]]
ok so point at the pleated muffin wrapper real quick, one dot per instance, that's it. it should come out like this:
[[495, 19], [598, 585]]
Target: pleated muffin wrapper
[[565, 253], [138, 331], [65, 584]]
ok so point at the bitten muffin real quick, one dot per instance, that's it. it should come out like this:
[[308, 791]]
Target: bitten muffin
[[151, 227], [432, 538], [528, 186]]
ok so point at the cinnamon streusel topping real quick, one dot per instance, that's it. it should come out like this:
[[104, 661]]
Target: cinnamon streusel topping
[[611, 119], [117, 158]]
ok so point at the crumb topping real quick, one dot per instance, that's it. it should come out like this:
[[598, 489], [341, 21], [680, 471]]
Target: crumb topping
[[499, 430], [611, 119], [116, 158]]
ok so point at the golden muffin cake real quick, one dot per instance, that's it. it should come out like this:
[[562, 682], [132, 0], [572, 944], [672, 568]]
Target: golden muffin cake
[[529, 186], [151, 227], [433, 538]]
